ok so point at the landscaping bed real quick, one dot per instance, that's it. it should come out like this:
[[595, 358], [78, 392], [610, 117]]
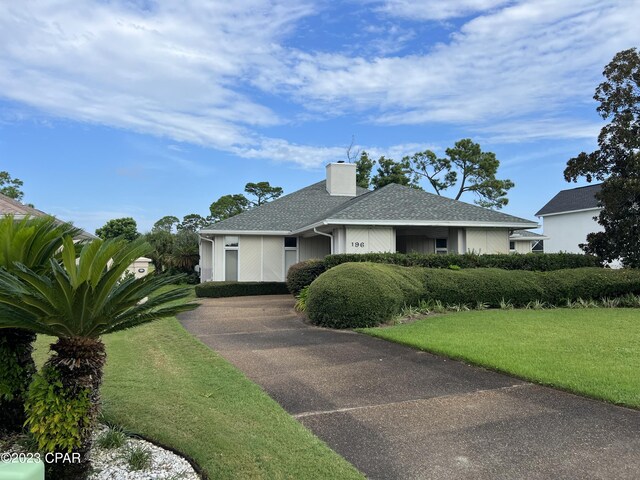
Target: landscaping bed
[[590, 351]]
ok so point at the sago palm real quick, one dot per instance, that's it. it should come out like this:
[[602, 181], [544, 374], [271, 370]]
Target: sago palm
[[85, 297], [31, 242]]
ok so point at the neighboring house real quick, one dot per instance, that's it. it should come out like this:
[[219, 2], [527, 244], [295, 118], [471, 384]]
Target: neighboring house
[[568, 218], [9, 206], [140, 267], [524, 241], [336, 216]]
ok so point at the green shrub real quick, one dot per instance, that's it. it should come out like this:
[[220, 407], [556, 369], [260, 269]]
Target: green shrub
[[354, 295], [113, 437], [529, 261], [302, 274], [301, 300], [362, 294], [137, 456], [56, 416], [239, 289], [490, 286]]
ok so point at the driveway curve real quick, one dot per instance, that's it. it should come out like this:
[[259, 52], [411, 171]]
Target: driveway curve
[[397, 413]]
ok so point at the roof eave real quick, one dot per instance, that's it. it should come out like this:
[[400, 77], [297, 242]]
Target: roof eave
[[567, 211], [421, 223]]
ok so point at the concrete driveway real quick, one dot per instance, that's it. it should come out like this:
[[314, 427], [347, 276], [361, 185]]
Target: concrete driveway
[[397, 413]]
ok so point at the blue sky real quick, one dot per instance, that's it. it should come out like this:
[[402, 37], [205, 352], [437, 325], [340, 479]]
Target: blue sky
[[140, 108]]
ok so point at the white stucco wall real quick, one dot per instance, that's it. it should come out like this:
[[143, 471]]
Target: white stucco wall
[[314, 247], [567, 230], [488, 240], [250, 258], [370, 239], [522, 246]]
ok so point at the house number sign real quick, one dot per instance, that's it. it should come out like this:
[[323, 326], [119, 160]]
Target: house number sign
[[357, 244]]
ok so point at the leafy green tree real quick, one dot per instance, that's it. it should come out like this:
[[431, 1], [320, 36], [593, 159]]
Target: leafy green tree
[[364, 166], [263, 193], [119, 227], [192, 223], [185, 253], [31, 242], [87, 297], [227, 206], [166, 224], [467, 168], [616, 162], [161, 243], [11, 187], [390, 171]]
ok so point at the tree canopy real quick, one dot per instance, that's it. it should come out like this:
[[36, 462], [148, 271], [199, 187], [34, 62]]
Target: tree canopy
[[125, 227], [263, 192], [192, 223], [11, 187], [465, 168], [166, 224], [616, 162]]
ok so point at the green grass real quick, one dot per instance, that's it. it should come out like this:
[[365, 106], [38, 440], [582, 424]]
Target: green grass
[[163, 384], [593, 352]]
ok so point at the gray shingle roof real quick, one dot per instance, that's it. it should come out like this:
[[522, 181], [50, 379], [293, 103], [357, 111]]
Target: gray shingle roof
[[525, 235], [572, 199], [287, 213], [397, 202], [393, 202]]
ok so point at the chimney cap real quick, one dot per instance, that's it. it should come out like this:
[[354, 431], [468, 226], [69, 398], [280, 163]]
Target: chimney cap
[[340, 161]]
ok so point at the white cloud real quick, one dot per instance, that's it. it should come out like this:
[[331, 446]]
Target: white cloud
[[437, 9], [534, 58], [170, 70]]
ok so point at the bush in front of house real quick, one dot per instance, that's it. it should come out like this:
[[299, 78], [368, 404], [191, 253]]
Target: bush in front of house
[[489, 286], [239, 289], [301, 274], [529, 261], [356, 295]]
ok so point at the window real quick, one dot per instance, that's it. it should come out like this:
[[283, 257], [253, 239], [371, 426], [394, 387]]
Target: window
[[231, 245], [441, 246], [290, 252], [512, 246]]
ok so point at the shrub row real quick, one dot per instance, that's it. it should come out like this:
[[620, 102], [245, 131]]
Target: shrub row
[[529, 261], [302, 274], [239, 289], [356, 295]]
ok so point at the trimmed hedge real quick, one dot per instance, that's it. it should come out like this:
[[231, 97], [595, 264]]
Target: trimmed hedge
[[239, 289], [355, 295], [301, 274], [529, 261]]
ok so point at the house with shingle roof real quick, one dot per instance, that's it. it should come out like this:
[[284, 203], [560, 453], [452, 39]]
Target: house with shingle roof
[[569, 217], [9, 206], [337, 216]]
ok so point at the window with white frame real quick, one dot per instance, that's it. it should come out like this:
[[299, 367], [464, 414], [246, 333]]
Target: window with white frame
[[290, 252], [441, 246], [231, 246], [512, 246]]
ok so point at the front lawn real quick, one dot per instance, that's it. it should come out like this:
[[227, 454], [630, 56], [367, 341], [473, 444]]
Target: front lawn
[[163, 384], [593, 352]]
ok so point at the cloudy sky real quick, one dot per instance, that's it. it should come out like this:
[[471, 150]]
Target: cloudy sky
[[145, 108]]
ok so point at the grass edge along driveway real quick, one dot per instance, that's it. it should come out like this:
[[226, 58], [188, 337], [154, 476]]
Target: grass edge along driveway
[[162, 383], [592, 352]]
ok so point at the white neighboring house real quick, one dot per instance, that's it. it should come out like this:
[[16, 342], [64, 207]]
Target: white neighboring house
[[568, 218], [140, 267], [524, 241], [336, 216]]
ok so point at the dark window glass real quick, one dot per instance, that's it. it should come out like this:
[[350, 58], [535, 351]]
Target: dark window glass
[[441, 243], [512, 245], [290, 242]]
